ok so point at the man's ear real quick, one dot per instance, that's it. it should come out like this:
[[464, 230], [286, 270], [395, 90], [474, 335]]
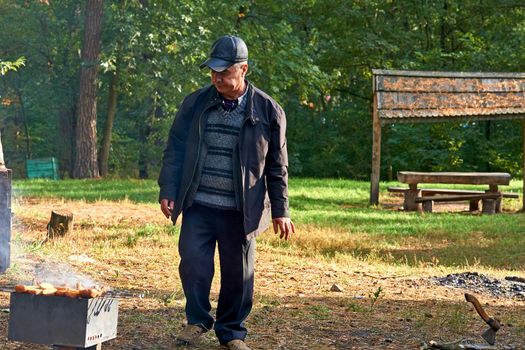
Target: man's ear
[[244, 68]]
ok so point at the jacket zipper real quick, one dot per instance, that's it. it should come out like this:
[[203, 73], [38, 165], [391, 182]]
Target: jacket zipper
[[251, 118], [198, 154]]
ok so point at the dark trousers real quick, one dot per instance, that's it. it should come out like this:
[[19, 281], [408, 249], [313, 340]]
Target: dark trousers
[[202, 229]]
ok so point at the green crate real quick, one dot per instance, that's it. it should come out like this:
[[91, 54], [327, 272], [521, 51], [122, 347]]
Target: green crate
[[42, 167]]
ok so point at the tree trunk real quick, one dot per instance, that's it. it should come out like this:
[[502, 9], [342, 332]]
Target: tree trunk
[[108, 127], [145, 131], [143, 152], [66, 139], [24, 124], [444, 29], [488, 127], [86, 165]]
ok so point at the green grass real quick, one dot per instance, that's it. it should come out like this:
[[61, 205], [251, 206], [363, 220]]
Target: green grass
[[334, 220], [140, 191]]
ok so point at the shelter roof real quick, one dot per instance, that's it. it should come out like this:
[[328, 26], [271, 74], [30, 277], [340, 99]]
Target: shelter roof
[[423, 96]]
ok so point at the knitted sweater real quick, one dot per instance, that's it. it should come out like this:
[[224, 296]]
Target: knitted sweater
[[221, 135]]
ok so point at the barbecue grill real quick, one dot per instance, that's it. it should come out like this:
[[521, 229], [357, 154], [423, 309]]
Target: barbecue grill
[[61, 321]]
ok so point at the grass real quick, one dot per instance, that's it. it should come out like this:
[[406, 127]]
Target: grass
[[335, 221], [379, 256]]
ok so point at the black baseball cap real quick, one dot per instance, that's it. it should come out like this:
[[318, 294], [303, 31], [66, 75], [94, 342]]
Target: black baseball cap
[[226, 51]]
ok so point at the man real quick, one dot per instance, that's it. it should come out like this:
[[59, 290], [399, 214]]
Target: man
[[225, 168]]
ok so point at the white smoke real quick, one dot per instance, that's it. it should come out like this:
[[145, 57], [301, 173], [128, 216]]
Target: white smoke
[[28, 269]]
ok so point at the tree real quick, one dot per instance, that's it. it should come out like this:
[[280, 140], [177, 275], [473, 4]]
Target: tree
[[86, 165], [314, 57], [110, 119], [6, 66]]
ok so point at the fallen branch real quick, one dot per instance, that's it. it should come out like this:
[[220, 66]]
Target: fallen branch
[[383, 277]]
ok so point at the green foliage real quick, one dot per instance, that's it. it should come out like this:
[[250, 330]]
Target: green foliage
[[314, 57], [374, 297], [354, 306], [6, 66]]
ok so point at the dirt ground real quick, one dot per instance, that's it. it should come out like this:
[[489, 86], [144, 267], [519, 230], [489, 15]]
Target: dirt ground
[[296, 306]]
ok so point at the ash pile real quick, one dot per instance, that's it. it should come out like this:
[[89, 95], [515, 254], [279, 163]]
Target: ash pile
[[511, 287]]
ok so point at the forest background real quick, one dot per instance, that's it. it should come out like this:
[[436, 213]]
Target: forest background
[[314, 57]]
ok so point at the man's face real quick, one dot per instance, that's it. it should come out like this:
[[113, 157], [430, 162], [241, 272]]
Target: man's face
[[230, 82]]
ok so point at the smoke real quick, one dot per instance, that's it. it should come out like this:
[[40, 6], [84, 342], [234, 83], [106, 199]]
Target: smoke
[[60, 274], [29, 269]]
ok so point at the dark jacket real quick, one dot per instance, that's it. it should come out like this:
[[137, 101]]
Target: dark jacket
[[260, 161]]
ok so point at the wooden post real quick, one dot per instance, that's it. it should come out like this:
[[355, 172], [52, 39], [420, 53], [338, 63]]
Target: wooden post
[[428, 206], [488, 206], [409, 203], [523, 164], [5, 219], [376, 150]]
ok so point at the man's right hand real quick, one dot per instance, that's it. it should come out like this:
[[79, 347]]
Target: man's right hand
[[166, 206]]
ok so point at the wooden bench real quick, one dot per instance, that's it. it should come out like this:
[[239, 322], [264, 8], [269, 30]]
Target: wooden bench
[[489, 201], [422, 199], [431, 191], [431, 195]]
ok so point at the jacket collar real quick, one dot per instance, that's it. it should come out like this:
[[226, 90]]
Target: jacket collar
[[215, 99], [249, 104]]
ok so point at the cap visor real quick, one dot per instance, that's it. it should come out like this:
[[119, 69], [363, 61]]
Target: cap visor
[[216, 64]]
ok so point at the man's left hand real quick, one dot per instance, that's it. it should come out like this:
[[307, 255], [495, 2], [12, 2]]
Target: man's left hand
[[285, 225]]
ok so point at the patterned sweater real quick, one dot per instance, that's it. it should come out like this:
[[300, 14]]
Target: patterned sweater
[[221, 135]]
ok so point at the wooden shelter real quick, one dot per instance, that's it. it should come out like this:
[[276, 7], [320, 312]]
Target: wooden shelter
[[421, 96]]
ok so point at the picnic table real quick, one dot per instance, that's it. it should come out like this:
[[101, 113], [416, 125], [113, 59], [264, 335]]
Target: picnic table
[[418, 199]]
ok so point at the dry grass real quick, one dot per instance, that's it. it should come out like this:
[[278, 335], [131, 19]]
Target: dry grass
[[385, 303]]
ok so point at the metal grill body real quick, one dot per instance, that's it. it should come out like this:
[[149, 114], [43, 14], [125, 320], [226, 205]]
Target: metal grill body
[[56, 320], [5, 218]]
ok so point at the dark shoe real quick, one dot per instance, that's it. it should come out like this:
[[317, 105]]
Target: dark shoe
[[190, 335], [237, 344]]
